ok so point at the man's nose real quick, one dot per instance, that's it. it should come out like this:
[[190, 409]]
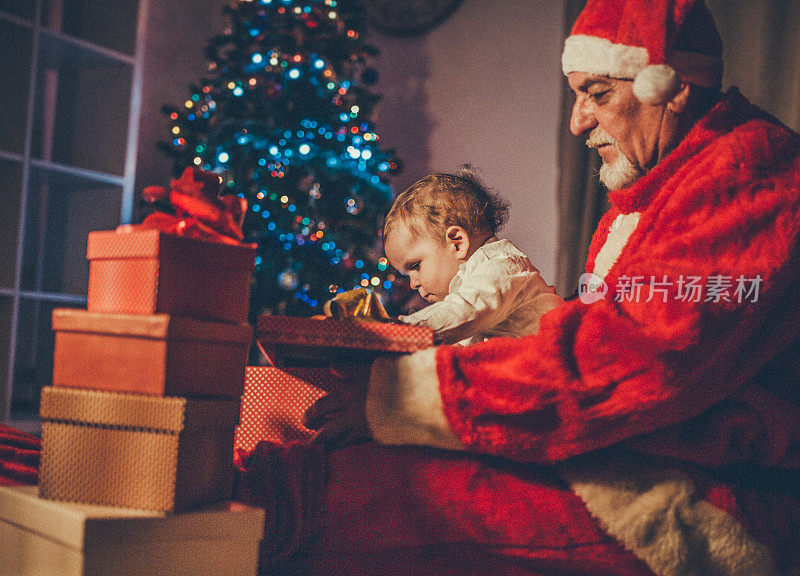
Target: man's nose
[[581, 120]]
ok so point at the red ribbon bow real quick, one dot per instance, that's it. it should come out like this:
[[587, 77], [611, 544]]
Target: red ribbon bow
[[200, 212]]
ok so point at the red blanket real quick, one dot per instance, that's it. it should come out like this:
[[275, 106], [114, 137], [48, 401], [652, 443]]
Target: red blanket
[[19, 457], [372, 509]]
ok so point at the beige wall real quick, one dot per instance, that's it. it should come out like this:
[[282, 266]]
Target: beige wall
[[762, 52], [177, 34], [483, 88]]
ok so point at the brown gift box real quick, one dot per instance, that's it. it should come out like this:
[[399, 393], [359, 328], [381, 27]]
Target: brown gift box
[[41, 537], [135, 451], [157, 354], [143, 271]]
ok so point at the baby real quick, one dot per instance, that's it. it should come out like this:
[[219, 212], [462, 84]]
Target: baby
[[441, 232]]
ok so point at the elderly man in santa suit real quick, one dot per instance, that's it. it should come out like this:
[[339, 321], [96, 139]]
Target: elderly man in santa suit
[[650, 428]]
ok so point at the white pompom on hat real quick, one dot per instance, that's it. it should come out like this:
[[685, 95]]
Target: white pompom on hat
[[656, 43]]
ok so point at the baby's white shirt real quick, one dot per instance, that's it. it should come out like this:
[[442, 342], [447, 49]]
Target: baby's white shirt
[[496, 292]]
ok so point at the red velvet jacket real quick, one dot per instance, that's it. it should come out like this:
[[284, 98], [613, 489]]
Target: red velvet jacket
[[711, 381]]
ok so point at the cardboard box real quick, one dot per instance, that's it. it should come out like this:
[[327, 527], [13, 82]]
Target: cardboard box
[[144, 271], [157, 354], [322, 340], [136, 451], [273, 406], [45, 538]]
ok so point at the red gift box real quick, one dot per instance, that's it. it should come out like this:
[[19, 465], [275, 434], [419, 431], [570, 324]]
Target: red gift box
[[146, 271], [314, 356], [299, 340], [272, 409], [308, 347], [154, 354]]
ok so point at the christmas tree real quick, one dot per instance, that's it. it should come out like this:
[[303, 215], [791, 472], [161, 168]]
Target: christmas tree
[[284, 118]]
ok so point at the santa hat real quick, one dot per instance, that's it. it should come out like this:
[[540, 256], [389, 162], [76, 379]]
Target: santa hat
[[656, 43]]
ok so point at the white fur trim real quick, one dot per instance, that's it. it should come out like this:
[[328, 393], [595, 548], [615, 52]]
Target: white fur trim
[[594, 55], [658, 515], [619, 232], [404, 405], [656, 84]]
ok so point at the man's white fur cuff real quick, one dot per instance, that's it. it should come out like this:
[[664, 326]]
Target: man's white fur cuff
[[404, 405]]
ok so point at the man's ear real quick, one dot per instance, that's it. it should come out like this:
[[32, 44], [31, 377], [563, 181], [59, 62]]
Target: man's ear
[[677, 103], [458, 239]]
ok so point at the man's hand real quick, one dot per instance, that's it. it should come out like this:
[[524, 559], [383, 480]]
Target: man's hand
[[340, 415]]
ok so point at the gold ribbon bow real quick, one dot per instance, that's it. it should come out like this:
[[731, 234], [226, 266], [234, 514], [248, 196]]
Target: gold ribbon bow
[[360, 303]]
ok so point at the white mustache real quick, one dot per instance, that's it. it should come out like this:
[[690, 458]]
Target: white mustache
[[598, 137]]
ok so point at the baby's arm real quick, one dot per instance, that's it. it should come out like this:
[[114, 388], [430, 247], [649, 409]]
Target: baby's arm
[[488, 294]]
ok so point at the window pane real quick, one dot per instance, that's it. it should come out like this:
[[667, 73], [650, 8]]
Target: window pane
[[15, 64], [111, 24], [10, 193], [61, 213], [34, 356]]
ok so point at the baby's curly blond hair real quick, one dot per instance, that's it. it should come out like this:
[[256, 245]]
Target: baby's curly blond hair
[[439, 201]]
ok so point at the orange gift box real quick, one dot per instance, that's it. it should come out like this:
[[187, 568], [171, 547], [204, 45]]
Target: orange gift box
[[155, 354], [144, 271], [273, 406], [135, 451]]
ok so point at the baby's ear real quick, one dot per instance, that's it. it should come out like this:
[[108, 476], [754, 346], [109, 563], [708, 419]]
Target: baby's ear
[[458, 238]]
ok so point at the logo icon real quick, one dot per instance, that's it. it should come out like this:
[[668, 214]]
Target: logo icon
[[591, 288]]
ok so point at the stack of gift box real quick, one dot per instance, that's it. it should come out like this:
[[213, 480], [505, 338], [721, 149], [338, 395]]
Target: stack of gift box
[[138, 425], [147, 380]]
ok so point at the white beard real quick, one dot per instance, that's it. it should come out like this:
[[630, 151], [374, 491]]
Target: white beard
[[622, 172], [619, 174]]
